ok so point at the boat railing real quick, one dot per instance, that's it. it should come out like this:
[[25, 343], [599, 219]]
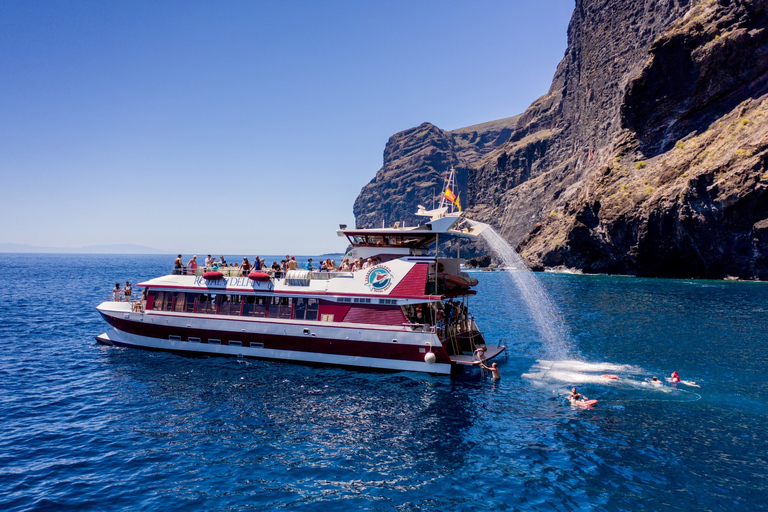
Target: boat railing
[[137, 304], [411, 326], [275, 274]]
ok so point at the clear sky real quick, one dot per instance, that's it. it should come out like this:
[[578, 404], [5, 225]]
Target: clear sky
[[240, 126]]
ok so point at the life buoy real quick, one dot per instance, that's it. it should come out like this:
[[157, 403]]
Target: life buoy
[[213, 276]]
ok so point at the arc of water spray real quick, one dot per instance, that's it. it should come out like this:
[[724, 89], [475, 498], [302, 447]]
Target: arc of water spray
[[542, 310]]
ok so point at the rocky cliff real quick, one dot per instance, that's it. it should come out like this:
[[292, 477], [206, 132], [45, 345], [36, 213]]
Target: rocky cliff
[[416, 162], [648, 155]]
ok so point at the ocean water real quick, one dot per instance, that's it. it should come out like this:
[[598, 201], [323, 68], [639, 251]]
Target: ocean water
[[88, 427]]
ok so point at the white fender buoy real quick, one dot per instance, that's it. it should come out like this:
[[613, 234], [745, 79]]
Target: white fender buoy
[[430, 358]]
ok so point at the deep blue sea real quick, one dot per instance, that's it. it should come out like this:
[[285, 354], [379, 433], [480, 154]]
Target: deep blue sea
[[88, 427]]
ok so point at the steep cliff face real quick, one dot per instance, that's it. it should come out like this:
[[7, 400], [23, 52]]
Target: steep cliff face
[[647, 156], [416, 162], [682, 190]]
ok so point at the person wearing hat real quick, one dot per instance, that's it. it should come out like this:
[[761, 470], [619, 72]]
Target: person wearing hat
[[292, 265]]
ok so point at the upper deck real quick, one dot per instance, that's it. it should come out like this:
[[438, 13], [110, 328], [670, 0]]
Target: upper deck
[[409, 279]]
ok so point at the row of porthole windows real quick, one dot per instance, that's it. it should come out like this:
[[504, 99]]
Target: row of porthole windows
[[214, 341], [299, 308]]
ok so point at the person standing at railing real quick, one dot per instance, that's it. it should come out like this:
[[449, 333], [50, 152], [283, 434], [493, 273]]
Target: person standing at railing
[[192, 264], [177, 264], [245, 267], [116, 292], [208, 262], [127, 291]]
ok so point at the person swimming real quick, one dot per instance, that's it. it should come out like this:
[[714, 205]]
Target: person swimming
[[675, 377], [494, 369]]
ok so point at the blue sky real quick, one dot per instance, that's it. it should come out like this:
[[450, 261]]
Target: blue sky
[[240, 127]]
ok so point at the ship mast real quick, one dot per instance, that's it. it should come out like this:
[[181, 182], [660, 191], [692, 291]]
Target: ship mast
[[449, 190]]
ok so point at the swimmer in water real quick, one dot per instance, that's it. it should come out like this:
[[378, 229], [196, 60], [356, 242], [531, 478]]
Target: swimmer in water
[[494, 369], [675, 378], [575, 395], [655, 381]]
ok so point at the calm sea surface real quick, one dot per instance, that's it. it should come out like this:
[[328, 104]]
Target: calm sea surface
[[99, 428]]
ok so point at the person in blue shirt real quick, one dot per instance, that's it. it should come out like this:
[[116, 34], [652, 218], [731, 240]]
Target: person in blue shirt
[[309, 265]]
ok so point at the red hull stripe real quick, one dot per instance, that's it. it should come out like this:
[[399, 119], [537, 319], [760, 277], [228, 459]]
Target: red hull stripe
[[306, 343]]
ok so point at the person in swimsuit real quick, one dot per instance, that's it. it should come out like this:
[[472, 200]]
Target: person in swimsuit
[[576, 396], [494, 369], [177, 265], [116, 292], [192, 264], [675, 377]]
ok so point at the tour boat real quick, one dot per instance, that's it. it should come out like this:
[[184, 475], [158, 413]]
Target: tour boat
[[406, 310]]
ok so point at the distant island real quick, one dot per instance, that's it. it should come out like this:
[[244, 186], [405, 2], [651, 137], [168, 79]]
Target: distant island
[[88, 249]]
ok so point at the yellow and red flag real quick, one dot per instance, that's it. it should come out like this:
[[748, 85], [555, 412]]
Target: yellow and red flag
[[450, 195]]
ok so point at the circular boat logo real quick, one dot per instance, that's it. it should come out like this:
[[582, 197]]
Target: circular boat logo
[[379, 279]]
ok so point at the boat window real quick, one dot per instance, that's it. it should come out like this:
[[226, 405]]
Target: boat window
[[206, 303], [255, 305], [163, 301], [280, 307], [229, 304], [306, 309], [184, 302], [312, 306]]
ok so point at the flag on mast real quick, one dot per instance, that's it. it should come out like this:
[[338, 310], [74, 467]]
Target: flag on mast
[[458, 201], [450, 195]]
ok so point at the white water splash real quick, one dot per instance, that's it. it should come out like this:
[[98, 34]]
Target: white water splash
[[548, 322], [581, 372]]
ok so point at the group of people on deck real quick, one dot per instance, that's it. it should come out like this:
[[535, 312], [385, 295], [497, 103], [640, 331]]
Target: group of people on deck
[[260, 265], [124, 293]]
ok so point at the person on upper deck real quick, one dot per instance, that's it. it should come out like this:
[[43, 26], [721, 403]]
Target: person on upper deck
[[292, 264], [245, 267], [127, 291], [276, 267], [116, 292], [177, 265], [208, 262], [192, 264], [309, 265]]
